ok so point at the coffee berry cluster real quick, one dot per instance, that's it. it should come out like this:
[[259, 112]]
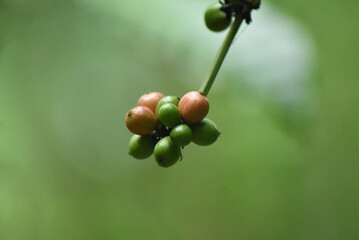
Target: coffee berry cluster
[[164, 125]]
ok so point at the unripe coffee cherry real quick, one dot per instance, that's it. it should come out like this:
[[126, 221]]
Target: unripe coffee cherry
[[150, 100], [181, 135], [205, 133], [166, 152], [168, 99], [141, 120], [169, 115], [141, 147], [193, 106], [216, 20]]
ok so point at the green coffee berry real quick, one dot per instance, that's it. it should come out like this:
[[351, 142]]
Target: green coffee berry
[[166, 152], [141, 147], [205, 132], [168, 99], [216, 20], [181, 135], [169, 115]]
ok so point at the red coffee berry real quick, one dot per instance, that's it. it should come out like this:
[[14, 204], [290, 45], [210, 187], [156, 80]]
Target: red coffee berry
[[141, 120], [193, 106], [150, 100]]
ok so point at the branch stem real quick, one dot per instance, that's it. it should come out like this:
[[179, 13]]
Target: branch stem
[[207, 84]]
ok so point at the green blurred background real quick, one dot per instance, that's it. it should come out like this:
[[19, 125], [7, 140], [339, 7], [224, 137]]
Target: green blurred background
[[286, 102]]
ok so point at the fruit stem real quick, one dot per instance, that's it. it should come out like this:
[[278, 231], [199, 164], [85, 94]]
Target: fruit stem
[[207, 84]]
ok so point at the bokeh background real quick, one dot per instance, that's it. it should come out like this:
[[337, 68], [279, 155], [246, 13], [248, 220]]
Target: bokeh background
[[286, 101]]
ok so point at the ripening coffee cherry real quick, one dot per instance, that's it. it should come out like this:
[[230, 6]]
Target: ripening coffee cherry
[[141, 120], [166, 152], [205, 133], [216, 20], [193, 106], [167, 99], [141, 147], [181, 135], [150, 100], [169, 115]]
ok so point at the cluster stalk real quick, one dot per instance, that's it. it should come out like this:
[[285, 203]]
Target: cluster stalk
[[207, 84]]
